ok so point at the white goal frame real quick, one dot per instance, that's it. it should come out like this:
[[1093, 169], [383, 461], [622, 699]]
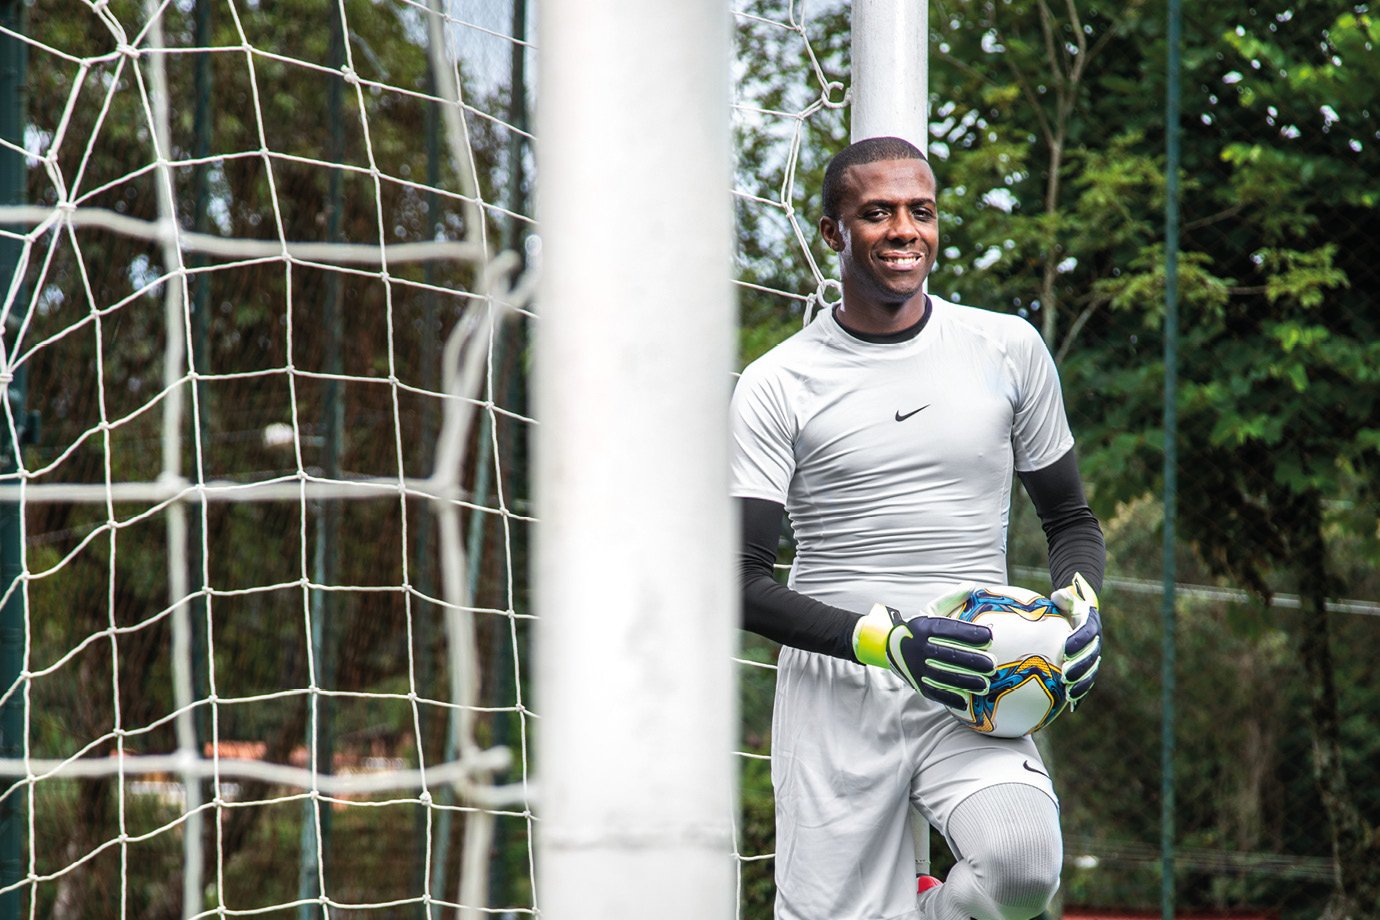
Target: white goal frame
[[637, 693]]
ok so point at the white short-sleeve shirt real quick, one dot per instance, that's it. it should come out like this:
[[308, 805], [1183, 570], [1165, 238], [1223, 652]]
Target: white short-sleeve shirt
[[894, 461]]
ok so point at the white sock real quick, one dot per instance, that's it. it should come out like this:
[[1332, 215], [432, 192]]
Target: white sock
[[1009, 851]]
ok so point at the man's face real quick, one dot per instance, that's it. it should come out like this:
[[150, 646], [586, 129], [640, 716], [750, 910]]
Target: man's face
[[887, 229]]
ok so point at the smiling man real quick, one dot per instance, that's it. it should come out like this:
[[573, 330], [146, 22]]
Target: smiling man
[[880, 217], [888, 431]]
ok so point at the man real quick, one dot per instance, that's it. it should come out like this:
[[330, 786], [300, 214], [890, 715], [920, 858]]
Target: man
[[888, 430]]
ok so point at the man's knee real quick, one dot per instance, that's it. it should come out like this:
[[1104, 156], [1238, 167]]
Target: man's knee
[[1021, 884], [1009, 836]]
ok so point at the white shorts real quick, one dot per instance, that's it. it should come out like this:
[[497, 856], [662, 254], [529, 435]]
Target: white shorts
[[852, 748]]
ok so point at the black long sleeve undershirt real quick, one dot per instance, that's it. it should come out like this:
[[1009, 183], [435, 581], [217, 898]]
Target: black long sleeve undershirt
[[772, 610], [1071, 529]]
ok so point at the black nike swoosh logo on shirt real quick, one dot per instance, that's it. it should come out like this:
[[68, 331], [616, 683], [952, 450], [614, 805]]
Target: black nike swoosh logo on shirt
[[1026, 764], [902, 418]]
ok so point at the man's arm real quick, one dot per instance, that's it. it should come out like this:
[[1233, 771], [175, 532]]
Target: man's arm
[[1077, 563], [773, 610], [1075, 538]]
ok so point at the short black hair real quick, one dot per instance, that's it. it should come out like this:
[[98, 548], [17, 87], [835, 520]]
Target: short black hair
[[870, 150]]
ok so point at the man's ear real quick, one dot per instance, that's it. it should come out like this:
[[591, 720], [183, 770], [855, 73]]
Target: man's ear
[[829, 229]]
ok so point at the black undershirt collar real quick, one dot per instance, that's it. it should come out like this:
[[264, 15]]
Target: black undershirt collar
[[888, 338]]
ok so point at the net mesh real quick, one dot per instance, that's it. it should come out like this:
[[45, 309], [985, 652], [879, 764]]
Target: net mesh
[[271, 522]]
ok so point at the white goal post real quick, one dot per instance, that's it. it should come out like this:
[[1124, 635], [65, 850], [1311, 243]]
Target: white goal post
[[890, 95], [635, 306], [634, 353]]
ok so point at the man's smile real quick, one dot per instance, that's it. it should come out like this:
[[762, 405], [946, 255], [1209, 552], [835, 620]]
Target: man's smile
[[901, 261]]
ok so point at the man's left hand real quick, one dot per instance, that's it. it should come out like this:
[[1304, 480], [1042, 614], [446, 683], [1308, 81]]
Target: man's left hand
[[1083, 649]]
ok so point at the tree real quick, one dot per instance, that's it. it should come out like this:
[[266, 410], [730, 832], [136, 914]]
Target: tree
[[1056, 182], [1300, 336]]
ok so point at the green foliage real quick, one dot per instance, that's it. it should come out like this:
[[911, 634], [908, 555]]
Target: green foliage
[[1301, 278]]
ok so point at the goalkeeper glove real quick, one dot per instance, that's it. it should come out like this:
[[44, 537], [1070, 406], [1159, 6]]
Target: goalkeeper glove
[[1083, 649], [942, 659]]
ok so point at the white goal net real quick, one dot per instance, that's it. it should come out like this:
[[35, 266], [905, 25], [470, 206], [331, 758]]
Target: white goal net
[[264, 514], [267, 301]]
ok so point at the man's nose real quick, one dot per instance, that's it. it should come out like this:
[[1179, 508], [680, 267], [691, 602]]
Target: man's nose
[[903, 226]]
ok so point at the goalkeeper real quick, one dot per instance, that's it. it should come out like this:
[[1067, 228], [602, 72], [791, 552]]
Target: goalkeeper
[[888, 430]]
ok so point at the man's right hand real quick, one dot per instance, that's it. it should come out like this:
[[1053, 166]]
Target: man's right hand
[[942, 658]]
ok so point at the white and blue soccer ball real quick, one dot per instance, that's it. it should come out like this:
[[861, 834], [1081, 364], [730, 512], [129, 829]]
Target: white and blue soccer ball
[[1028, 635]]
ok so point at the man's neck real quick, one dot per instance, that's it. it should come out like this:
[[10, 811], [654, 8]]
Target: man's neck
[[903, 334], [872, 318]]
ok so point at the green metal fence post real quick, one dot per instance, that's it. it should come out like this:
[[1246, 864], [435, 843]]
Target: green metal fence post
[[202, 119], [325, 632], [13, 67], [1171, 456]]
